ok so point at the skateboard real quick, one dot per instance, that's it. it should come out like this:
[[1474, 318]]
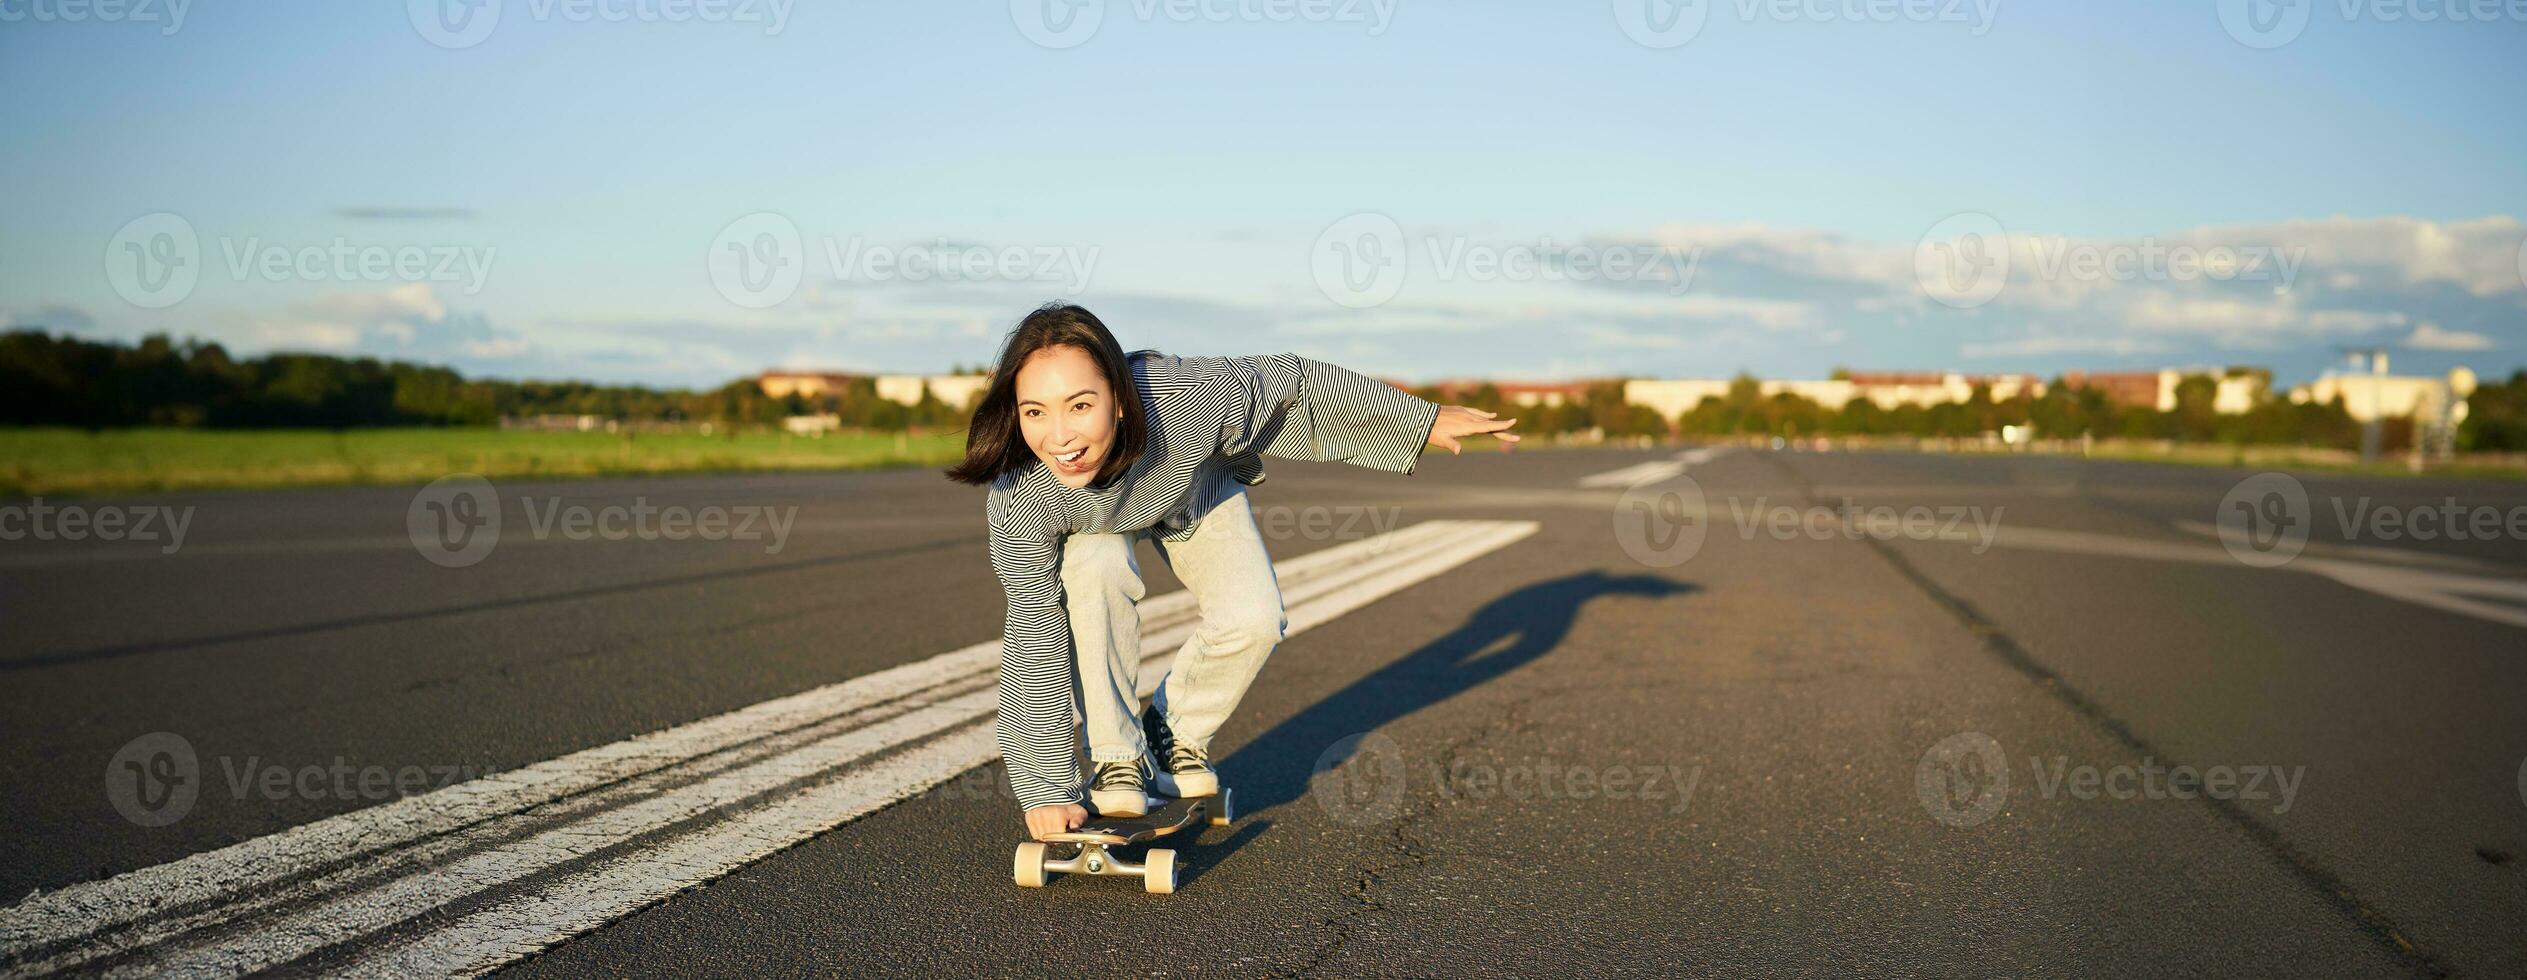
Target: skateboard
[[1157, 869]]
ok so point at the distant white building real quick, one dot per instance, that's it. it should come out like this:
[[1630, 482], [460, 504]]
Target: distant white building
[[2379, 395], [955, 390]]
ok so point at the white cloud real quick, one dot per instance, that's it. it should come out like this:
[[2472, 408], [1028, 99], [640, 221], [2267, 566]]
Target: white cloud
[[2428, 336]]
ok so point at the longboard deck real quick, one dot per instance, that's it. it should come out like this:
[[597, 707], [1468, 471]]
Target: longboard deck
[[1165, 817]]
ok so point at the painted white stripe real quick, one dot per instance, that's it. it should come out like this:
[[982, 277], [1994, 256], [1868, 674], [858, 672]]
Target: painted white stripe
[[489, 938], [2445, 591], [1703, 454], [1635, 475], [215, 876], [336, 907]]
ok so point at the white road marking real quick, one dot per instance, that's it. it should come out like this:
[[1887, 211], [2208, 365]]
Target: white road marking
[[1635, 475], [2446, 591], [778, 772]]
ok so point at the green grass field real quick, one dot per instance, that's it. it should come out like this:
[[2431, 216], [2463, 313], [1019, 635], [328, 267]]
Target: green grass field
[[74, 461]]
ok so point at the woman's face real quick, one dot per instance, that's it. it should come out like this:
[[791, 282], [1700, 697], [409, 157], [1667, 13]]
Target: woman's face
[[1066, 413]]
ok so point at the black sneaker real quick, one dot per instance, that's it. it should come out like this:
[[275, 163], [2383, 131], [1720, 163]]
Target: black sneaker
[[1119, 790], [1182, 769]]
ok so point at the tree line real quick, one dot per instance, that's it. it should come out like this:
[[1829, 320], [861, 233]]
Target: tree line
[[67, 381]]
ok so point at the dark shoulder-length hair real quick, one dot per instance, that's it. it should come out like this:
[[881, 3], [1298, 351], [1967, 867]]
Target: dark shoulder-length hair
[[993, 445]]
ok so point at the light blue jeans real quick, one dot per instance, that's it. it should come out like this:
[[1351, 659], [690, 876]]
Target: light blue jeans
[[1224, 565]]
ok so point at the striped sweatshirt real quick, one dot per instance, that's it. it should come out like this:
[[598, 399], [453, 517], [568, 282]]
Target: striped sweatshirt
[[1203, 413]]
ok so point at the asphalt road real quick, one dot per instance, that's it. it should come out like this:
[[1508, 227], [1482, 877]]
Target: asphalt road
[[1747, 713]]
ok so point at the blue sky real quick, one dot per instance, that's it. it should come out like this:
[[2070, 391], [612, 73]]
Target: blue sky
[[568, 188]]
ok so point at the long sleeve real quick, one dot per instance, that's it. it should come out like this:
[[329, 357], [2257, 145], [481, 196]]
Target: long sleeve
[[1292, 407], [1037, 737]]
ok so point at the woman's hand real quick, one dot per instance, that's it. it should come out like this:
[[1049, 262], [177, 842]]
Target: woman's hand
[[1458, 420], [1045, 821]]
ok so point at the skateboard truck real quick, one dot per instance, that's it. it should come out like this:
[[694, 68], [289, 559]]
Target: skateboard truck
[[1096, 838]]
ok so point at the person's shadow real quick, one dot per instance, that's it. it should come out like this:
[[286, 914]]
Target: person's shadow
[[1516, 628]]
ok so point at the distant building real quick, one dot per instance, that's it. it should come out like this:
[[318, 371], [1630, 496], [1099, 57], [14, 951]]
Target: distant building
[[805, 384], [955, 390], [2124, 389], [2378, 395], [1885, 389], [1551, 394]]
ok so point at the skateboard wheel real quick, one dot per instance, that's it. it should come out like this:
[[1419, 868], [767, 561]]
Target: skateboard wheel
[[1158, 873], [1227, 810], [1030, 868]]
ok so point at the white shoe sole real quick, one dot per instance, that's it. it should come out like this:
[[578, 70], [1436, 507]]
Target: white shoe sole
[[1190, 784], [1119, 802]]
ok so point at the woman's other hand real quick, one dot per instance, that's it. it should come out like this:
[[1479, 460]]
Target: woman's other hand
[[1045, 821], [1457, 420]]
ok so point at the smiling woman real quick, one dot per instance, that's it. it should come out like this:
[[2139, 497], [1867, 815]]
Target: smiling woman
[[1088, 450]]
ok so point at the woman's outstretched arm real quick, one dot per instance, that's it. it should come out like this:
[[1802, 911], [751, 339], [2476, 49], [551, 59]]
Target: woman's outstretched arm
[[1293, 407]]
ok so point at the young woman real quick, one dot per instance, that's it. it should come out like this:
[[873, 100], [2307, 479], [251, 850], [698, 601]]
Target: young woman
[[1087, 449]]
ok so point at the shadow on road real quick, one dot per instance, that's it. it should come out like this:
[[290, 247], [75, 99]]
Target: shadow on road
[[1516, 628]]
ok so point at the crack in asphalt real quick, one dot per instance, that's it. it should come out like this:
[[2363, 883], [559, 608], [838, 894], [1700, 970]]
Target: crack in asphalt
[[2330, 888], [1409, 851]]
